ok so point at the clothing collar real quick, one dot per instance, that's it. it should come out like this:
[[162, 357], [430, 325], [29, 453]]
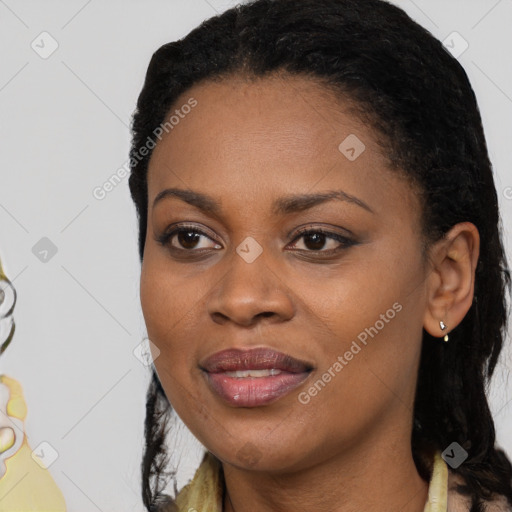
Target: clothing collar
[[205, 492]]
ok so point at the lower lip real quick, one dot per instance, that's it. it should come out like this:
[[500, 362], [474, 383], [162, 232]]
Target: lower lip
[[254, 391]]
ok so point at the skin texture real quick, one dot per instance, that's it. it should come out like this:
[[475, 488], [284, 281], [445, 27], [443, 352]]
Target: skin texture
[[247, 143]]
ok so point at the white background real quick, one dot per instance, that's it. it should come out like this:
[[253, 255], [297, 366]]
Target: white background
[[64, 131]]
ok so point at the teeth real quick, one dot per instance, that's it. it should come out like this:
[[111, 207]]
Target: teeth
[[253, 373]]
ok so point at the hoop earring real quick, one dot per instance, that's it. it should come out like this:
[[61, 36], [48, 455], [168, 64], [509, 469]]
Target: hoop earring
[[443, 327]]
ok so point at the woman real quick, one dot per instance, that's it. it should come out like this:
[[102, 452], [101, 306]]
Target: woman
[[323, 273]]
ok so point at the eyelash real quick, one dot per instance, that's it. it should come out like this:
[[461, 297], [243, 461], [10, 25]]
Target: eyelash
[[344, 241], [166, 238]]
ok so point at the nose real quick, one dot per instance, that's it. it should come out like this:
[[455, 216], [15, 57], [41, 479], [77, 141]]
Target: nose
[[249, 292]]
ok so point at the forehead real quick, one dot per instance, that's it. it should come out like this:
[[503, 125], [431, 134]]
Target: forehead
[[292, 113], [250, 138]]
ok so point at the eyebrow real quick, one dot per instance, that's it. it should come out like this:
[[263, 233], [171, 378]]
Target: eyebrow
[[282, 206]]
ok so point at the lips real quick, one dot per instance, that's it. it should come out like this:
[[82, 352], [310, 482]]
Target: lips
[[251, 378]]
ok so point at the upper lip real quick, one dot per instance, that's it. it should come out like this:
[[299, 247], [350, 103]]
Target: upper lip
[[261, 358]]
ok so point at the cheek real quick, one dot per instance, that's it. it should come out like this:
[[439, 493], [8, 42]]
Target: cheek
[[154, 298], [165, 314], [162, 311], [167, 299], [371, 317], [171, 303]]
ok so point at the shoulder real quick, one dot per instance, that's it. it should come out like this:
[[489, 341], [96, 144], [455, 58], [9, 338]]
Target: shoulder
[[458, 502]]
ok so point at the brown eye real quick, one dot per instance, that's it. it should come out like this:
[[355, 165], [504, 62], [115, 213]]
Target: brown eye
[[316, 239], [186, 238]]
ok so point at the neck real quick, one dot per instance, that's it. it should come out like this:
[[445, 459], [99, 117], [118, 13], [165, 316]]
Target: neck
[[374, 477]]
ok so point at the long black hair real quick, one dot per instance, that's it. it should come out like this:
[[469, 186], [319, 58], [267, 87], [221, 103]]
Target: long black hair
[[419, 101]]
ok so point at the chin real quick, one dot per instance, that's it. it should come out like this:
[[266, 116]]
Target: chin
[[256, 455]]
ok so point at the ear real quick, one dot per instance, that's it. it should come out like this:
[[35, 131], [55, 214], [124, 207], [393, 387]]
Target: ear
[[451, 282]]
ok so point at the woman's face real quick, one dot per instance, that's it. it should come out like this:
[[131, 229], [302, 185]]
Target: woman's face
[[348, 306]]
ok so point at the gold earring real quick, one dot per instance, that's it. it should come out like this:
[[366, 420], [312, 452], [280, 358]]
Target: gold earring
[[443, 327]]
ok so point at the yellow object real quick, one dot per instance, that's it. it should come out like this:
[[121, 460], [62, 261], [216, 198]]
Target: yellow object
[[26, 485], [204, 492], [438, 489], [6, 438]]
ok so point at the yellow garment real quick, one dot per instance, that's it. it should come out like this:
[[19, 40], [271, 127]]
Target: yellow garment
[[25, 486], [205, 492]]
